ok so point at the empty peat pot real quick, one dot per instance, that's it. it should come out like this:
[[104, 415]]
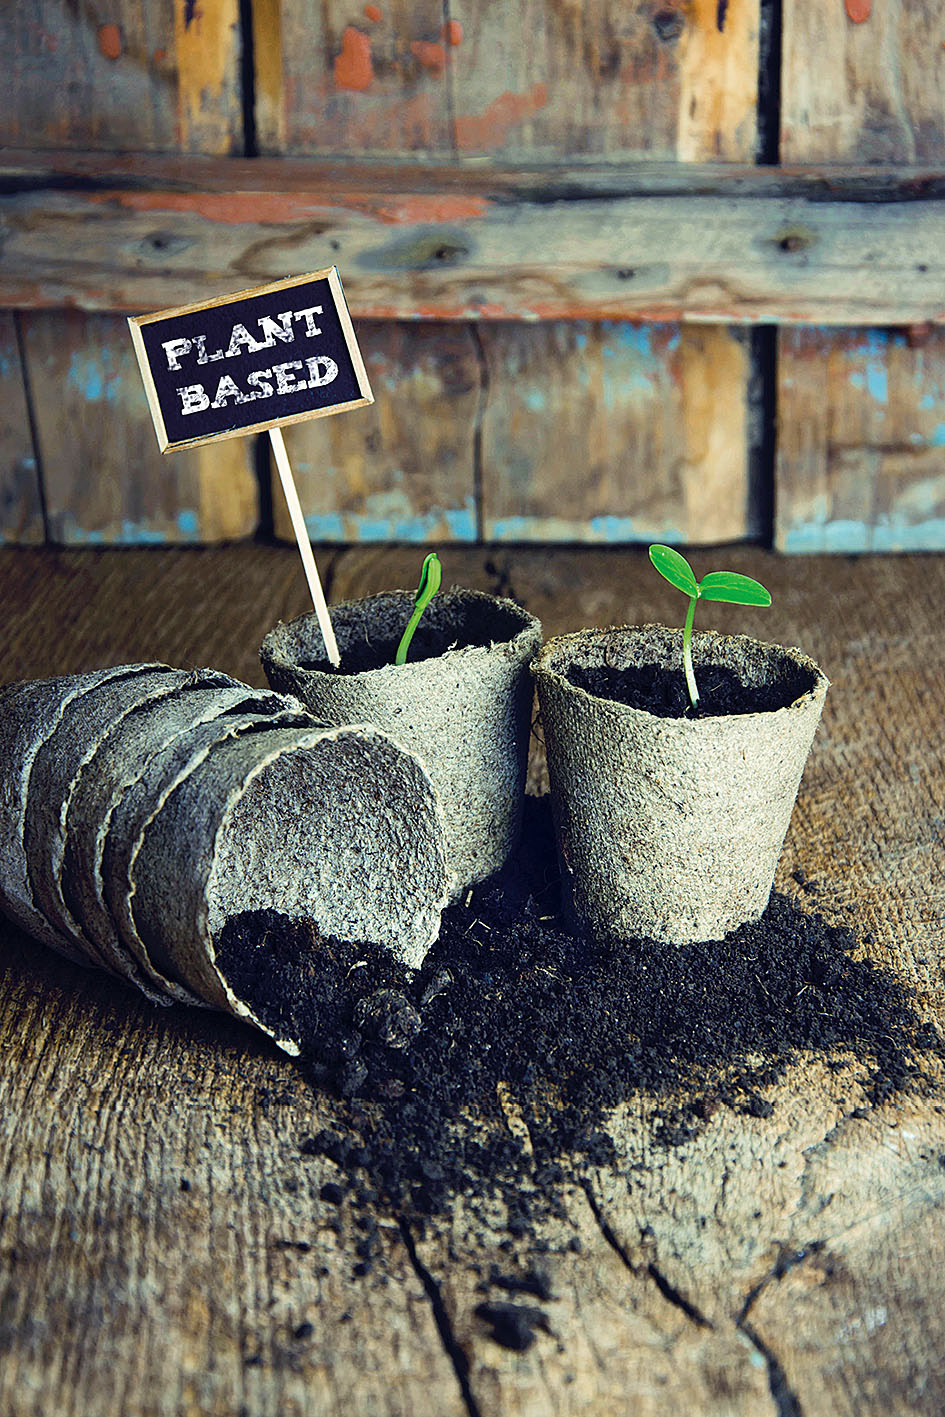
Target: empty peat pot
[[462, 702], [145, 807], [670, 828], [335, 825]]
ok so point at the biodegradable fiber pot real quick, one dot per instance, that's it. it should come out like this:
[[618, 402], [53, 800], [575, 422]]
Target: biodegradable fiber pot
[[336, 825], [462, 702], [670, 828]]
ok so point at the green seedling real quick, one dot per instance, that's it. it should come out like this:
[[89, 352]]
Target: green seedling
[[717, 585], [430, 574]]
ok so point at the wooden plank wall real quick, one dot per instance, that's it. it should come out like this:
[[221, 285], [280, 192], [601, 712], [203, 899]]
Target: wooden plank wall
[[138, 76], [861, 448], [558, 431], [534, 431]]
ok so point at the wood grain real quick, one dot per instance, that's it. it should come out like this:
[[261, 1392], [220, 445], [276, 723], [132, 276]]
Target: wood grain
[[861, 448], [624, 81], [403, 469], [726, 247], [615, 432], [771, 1266], [867, 91], [21, 513], [335, 80], [128, 75], [104, 479]]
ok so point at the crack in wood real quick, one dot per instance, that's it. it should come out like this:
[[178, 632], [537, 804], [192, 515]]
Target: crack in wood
[[785, 1399], [441, 1318], [669, 1292], [786, 1261]]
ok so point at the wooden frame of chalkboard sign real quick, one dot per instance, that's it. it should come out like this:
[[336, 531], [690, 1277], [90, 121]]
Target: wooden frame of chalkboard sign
[[210, 370]]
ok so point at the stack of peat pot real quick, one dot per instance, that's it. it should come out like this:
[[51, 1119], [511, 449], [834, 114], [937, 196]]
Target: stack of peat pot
[[142, 807]]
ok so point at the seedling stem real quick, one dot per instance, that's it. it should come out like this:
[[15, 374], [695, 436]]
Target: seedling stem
[[687, 652]]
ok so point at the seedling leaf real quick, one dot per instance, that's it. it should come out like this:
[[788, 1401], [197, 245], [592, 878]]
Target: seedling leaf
[[430, 574], [674, 568], [734, 588]]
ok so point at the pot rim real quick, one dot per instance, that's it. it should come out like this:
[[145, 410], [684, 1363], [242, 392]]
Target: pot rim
[[526, 639], [543, 668]]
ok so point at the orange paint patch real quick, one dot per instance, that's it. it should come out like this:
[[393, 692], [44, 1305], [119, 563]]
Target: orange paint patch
[[109, 41], [228, 208], [280, 208], [453, 33], [432, 56], [490, 129], [422, 209], [373, 13], [353, 67], [858, 10]]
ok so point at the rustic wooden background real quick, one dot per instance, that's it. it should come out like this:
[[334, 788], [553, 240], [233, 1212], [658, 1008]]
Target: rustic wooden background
[[659, 268]]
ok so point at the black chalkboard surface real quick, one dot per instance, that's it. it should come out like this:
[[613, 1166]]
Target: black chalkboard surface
[[278, 354]]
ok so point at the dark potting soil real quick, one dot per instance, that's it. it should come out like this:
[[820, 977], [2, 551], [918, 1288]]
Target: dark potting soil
[[663, 691], [494, 1068], [429, 641]]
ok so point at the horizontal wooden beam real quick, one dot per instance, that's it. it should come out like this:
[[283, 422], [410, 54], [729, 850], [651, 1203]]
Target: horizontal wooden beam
[[742, 245]]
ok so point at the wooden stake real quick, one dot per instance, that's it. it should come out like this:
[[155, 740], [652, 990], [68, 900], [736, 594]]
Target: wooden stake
[[305, 546]]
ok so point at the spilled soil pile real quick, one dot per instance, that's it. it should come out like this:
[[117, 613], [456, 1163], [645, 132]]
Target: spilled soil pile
[[493, 1070]]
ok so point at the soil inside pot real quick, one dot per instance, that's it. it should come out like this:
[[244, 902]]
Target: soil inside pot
[[447, 624], [493, 1070], [662, 691]]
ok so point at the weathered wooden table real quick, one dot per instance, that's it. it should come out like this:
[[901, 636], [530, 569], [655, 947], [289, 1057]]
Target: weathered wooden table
[[163, 1246]]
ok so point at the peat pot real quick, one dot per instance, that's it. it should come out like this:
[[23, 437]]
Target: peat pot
[[462, 702], [670, 828]]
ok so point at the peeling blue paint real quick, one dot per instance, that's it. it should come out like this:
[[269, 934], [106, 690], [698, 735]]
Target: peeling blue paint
[[927, 401], [535, 399], [928, 535], [877, 382], [450, 523], [462, 521], [851, 537], [615, 529], [188, 524], [937, 437], [638, 338], [325, 526], [610, 530], [580, 340], [135, 534], [89, 375]]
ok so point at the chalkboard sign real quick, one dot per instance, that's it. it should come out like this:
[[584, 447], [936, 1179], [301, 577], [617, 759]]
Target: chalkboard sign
[[262, 358]]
